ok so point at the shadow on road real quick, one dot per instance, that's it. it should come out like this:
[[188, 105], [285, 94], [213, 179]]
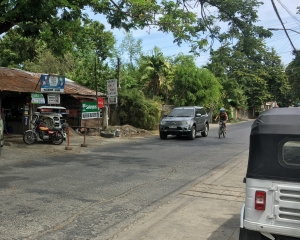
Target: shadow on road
[[229, 230]]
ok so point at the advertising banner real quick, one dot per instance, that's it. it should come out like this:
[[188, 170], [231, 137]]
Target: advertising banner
[[53, 98], [100, 102], [90, 110], [112, 89], [37, 98], [52, 83]]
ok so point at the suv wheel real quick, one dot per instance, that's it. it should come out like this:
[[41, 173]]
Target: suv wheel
[[163, 135], [192, 134], [205, 131]]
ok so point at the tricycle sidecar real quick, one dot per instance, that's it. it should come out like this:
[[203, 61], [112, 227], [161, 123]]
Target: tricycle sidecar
[[272, 204]]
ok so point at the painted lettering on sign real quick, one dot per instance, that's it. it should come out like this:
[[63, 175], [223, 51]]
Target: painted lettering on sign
[[112, 89]]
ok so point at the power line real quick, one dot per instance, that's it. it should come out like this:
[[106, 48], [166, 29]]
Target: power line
[[275, 9], [289, 12]]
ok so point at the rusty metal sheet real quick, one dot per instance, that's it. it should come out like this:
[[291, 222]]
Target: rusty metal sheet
[[16, 80]]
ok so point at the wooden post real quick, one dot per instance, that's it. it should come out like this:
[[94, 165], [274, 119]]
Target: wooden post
[[84, 136], [68, 139]]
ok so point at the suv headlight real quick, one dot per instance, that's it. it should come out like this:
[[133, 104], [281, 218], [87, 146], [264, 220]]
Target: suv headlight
[[186, 122], [163, 123]]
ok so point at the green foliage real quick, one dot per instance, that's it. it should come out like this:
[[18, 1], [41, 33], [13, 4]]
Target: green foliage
[[45, 62], [138, 111], [132, 49], [154, 71], [192, 85], [293, 73], [15, 49], [61, 20], [249, 78]]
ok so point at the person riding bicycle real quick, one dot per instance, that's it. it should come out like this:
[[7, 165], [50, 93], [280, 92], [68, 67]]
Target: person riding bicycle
[[223, 117]]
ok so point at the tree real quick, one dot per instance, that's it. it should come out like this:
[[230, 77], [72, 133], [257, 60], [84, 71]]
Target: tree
[[63, 19], [154, 70], [15, 48], [192, 85], [293, 73], [135, 109], [249, 78], [131, 49]]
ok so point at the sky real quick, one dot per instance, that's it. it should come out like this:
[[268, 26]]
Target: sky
[[267, 18]]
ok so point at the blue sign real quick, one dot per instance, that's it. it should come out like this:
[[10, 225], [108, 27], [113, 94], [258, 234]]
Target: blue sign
[[52, 83]]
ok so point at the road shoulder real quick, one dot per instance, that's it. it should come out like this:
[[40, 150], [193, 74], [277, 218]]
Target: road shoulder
[[207, 211]]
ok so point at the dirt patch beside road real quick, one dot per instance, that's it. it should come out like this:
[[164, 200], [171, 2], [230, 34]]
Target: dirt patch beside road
[[125, 131]]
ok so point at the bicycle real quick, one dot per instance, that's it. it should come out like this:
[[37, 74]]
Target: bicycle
[[222, 129]]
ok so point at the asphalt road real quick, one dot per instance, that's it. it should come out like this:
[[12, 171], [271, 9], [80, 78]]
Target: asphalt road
[[96, 194]]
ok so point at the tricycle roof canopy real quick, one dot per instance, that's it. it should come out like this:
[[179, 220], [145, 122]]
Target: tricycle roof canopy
[[274, 148], [52, 107], [277, 121]]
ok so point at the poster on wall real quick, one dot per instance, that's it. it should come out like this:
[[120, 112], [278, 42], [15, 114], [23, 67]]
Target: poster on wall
[[53, 99], [37, 98], [90, 110], [52, 83]]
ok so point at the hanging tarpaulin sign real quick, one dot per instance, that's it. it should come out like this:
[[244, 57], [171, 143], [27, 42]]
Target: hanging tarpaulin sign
[[37, 98], [100, 102], [112, 89], [53, 98], [90, 110], [52, 83]]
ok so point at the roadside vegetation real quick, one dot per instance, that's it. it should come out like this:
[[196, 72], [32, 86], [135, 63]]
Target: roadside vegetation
[[243, 72]]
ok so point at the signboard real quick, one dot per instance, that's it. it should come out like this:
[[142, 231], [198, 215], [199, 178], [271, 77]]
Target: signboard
[[112, 100], [90, 110], [37, 98], [53, 98], [112, 89], [52, 83], [100, 102]]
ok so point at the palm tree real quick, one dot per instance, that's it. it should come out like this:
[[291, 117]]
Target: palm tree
[[154, 70]]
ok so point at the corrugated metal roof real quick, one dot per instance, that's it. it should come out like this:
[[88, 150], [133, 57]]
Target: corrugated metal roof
[[16, 80]]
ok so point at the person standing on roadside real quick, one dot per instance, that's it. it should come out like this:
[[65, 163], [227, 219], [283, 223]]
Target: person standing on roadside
[[4, 121]]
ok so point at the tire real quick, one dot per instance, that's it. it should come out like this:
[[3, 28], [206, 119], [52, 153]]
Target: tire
[[205, 132], [220, 132], [107, 135], [246, 234], [192, 134], [58, 139], [224, 133], [29, 138], [163, 135]]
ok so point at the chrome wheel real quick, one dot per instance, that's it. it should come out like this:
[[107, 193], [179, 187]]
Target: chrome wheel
[[58, 139], [29, 138], [192, 134], [205, 132]]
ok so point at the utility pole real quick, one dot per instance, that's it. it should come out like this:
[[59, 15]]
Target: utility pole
[[276, 11], [118, 71], [96, 88]]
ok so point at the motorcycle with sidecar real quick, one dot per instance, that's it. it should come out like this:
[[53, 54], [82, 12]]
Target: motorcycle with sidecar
[[272, 203], [47, 125]]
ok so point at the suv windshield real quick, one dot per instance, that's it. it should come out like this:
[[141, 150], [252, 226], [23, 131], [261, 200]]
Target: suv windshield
[[182, 113]]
